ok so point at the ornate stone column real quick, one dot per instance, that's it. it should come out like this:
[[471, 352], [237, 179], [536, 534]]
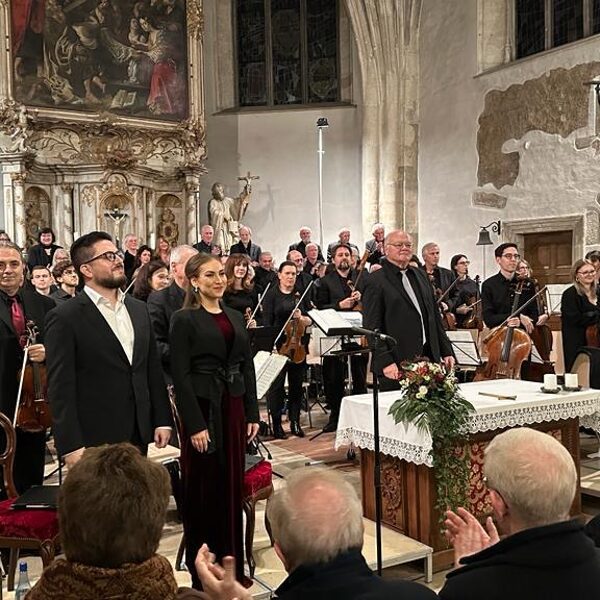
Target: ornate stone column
[[67, 213], [192, 189], [386, 34], [18, 183]]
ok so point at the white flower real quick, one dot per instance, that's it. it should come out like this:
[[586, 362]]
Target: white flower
[[422, 391]]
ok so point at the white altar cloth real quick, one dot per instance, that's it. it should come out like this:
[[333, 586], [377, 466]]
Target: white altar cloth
[[406, 442]]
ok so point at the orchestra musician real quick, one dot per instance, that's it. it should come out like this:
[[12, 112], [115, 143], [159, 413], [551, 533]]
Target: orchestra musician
[[278, 304], [467, 290], [440, 277], [19, 305], [240, 293], [305, 235], [579, 310], [532, 287], [215, 393], [337, 291], [497, 292], [375, 244], [398, 301]]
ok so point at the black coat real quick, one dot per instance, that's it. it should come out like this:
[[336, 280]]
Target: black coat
[[205, 248], [553, 562], [347, 577], [98, 397], [36, 255], [577, 313], [388, 308], [201, 366], [35, 307], [301, 247], [161, 306], [252, 250], [332, 288]]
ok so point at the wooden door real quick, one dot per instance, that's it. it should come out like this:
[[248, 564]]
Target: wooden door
[[550, 255]]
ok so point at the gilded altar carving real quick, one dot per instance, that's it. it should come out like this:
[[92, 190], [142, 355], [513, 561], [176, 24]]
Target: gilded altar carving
[[37, 213], [195, 20]]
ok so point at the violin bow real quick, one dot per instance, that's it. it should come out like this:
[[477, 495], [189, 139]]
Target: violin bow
[[291, 315], [261, 297]]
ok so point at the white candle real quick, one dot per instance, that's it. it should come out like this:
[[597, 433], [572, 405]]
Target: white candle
[[571, 380], [550, 382]]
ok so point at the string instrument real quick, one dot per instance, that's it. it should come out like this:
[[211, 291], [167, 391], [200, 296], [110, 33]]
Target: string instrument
[[448, 318], [541, 337], [360, 268], [475, 319], [294, 331], [507, 347], [258, 307], [33, 410]]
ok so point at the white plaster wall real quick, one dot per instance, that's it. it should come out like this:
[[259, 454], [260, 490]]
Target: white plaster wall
[[554, 179], [281, 147]]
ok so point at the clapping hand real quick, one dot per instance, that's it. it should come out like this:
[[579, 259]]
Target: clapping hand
[[466, 534], [219, 581]]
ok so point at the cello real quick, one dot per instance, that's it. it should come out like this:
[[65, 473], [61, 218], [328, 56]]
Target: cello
[[507, 346], [32, 413]]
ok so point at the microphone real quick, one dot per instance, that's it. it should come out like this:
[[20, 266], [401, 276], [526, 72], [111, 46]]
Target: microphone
[[382, 336]]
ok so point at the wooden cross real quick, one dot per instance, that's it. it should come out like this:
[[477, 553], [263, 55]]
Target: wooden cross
[[248, 179]]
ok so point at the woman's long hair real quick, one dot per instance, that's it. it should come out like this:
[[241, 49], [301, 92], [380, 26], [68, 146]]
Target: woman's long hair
[[192, 269], [142, 288], [138, 255], [235, 260]]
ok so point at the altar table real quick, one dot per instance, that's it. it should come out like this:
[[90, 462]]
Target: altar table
[[407, 481]]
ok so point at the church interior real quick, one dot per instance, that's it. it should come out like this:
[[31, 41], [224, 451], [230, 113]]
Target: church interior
[[467, 123]]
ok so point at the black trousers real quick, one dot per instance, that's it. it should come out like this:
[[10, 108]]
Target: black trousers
[[275, 397], [334, 379]]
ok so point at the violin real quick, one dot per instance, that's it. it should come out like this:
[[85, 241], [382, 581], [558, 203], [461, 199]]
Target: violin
[[475, 318], [448, 318], [294, 331], [33, 410], [508, 347]]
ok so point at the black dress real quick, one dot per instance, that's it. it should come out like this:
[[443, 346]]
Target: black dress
[[241, 300], [215, 390], [577, 313]]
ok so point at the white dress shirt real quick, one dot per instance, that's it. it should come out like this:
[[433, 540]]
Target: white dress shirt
[[117, 317]]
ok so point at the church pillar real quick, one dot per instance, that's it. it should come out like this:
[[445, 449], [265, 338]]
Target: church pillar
[[67, 213], [192, 188], [150, 224], [18, 183], [386, 34]]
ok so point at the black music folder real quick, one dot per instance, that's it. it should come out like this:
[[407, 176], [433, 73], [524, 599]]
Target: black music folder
[[38, 496]]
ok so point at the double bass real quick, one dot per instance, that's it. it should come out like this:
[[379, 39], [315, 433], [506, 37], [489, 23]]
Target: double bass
[[508, 347], [32, 412]]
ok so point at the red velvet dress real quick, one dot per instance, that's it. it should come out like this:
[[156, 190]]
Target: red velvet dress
[[213, 484]]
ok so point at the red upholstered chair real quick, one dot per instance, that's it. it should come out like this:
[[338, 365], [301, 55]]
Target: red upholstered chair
[[35, 529], [258, 485]]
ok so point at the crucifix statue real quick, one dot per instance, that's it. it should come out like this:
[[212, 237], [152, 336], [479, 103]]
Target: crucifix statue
[[248, 178], [117, 217]]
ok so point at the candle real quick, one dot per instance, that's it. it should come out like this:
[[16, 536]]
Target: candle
[[550, 382], [571, 380]]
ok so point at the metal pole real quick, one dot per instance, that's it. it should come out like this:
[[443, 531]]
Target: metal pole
[[377, 474], [483, 257], [320, 153]]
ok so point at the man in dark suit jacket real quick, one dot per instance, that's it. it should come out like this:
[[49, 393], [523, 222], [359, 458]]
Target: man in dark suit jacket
[[305, 234], [205, 245], [162, 305], [246, 245], [17, 306], [398, 301], [105, 383], [440, 277]]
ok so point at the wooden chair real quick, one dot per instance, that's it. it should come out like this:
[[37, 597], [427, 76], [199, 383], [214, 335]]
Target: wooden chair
[[35, 529]]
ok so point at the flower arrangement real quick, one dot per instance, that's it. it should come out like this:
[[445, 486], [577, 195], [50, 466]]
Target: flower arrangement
[[431, 400]]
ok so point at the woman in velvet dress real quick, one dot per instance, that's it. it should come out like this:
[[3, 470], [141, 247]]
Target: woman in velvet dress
[[215, 392], [579, 309]]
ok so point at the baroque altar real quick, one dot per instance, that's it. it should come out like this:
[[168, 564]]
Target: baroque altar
[[102, 112]]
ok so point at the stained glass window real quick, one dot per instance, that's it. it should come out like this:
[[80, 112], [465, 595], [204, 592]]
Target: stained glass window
[[567, 19], [287, 52], [595, 16], [530, 27]]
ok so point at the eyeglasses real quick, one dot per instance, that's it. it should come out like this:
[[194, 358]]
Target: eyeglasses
[[109, 256], [512, 256], [401, 244], [591, 272]]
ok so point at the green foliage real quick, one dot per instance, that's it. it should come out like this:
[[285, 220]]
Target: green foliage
[[432, 402]]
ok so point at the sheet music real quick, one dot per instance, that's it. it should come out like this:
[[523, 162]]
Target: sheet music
[[267, 366], [465, 348], [330, 320]]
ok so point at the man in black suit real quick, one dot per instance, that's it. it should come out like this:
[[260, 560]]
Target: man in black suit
[[440, 278], [343, 238], [246, 246], [17, 307], [336, 291], [398, 301], [375, 244], [105, 383], [305, 234], [205, 245], [162, 305], [264, 273]]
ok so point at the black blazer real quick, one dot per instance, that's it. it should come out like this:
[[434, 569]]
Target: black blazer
[[388, 308], [161, 306], [35, 307], [301, 247], [200, 365], [331, 290], [577, 313], [96, 396], [253, 251], [36, 255]]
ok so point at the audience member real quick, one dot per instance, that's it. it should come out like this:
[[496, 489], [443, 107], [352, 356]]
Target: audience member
[[207, 234], [4, 237], [344, 239], [246, 245], [112, 510], [59, 256], [264, 273], [41, 279], [375, 245], [305, 235], [151, 277], [42, 252], [532, 480], [66, 278], [130, 246], [143, 256], [312, 263], [163, 250]]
